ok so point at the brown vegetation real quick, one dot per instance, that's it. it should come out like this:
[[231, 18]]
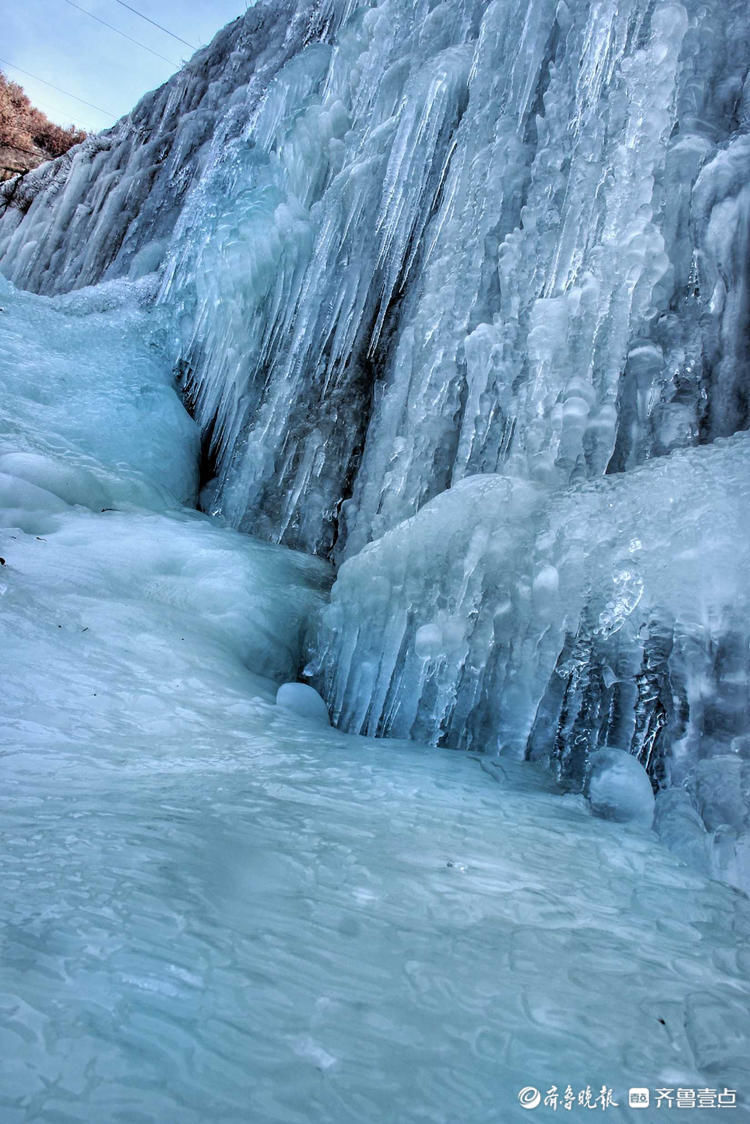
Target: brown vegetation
[[27, 136]]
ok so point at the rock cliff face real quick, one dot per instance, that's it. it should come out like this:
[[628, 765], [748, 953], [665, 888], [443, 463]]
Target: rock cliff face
[[16, 161], [407, 244]]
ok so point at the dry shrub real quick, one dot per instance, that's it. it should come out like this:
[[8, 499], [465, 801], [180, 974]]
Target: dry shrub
[[25, 128]]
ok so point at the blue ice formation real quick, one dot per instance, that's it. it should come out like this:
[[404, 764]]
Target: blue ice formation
[[458, 294]]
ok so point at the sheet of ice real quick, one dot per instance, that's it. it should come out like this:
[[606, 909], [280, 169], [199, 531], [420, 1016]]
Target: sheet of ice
[[404, 243]]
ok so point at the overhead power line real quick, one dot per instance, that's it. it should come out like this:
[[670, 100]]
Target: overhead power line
[[53, 111], [67, 93], [155, 24], [112, 27]]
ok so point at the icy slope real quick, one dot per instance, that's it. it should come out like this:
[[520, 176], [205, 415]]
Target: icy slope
[[240, 918], [213, 911]]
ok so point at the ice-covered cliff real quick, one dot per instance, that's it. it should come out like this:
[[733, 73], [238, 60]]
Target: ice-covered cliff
[[458, 295], [108, 208], [429, 240], [403, 245]]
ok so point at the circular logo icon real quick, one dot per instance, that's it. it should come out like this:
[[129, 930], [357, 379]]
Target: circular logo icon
[[530, 1097]]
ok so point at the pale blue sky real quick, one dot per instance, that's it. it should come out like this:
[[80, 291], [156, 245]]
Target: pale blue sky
[[57, 42]]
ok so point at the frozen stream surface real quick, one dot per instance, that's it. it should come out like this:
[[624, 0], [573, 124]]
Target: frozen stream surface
[[213, 911], [254, 921]]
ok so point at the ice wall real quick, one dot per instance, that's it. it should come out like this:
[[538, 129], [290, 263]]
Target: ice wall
[[420, 241], [108, 207], [508, 617], [470, 238]]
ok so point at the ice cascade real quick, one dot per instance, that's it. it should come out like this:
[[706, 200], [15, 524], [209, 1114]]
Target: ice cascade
[[457, 293], [473, 275]]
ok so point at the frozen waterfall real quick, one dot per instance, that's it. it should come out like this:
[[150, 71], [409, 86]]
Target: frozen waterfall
[[402, 348], [407, 243], [214, 908], [403, 245]]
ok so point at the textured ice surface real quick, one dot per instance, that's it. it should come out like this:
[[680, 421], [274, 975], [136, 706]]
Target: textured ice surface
[[236, 918], [507, 616], [213, 910], [405, 243]]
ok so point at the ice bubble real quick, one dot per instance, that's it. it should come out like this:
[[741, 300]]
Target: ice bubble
[[303, 700], [619, 788]]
